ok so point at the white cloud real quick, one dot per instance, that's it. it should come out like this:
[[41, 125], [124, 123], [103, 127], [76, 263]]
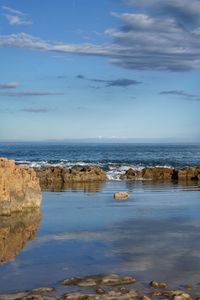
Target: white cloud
[[15, 17], [16, 20], [12, 10], [166, 38]]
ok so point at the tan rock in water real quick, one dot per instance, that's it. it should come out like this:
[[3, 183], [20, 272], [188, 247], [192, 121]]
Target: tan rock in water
[[159, 173], [19, 188], [98, 280], [157, 285], [120, 195], [189, 173], [57, 178]]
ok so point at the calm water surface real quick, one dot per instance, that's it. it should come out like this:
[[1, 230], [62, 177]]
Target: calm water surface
[[155, 234]]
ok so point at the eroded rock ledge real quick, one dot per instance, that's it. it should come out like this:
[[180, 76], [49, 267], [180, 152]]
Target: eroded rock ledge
[[19, 188], [58, 177], [160, 173]]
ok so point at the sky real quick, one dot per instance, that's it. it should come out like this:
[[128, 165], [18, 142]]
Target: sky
[[109, 69]]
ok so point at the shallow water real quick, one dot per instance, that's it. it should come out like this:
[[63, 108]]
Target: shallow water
[[155, 234]]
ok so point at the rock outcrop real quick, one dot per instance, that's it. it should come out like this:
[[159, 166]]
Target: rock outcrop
[[58, 177], [19, 188], [163, 174], [153, 173], [15, 231], [159, 173], [131, 174], [189, 173]]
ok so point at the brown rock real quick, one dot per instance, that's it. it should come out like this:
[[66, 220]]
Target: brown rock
[[111, 295], [158, 173], [154, 173], [189, 173], [145, 298], [15, 296], [181, 295], [76, 296], [157, 285], [120, 195], [98, 280], [123, 290], [42, 290], [131, 174], [58, 177], [100, 291], [19, 188]]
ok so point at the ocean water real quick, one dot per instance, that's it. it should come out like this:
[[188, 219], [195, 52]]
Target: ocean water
[[82, 231], [113, 158]]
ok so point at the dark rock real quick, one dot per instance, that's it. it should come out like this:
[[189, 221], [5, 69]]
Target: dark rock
[[189, 173], [98, 280], [157, 285], [154, 173], [100, 291], [123, 290], [131, 174]]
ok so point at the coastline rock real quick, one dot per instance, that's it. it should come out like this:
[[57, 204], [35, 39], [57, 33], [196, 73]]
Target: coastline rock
[[15, 231], [19, 188], [120, 195], [131, 174], [189, 173], [154, 173], [159, 173], [59, 177]]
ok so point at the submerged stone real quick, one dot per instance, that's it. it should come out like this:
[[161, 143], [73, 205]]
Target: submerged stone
[[105, 280], [157, 285]]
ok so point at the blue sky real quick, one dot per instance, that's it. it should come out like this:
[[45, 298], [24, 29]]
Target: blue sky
[[113, 69]]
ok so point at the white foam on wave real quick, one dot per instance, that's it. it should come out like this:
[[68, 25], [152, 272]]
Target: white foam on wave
[[115, 172]]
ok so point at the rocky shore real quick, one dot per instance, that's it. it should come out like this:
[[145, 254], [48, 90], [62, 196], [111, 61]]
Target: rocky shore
[[106, 287], [59, 178], [160, 173], [19, 188]]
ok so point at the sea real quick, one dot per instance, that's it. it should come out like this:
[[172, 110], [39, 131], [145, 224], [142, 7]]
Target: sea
[[84, 231], [115, 159]]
